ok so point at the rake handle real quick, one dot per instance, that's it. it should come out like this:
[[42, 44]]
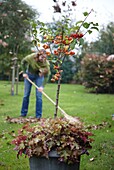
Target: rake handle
[[62, 111]]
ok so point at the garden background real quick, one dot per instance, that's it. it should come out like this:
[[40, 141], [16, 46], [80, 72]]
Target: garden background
[[86, 90]]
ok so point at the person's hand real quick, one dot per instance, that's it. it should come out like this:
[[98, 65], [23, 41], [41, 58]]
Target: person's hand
[[43, 72], [40, 89], [40, 74], [25, 75]]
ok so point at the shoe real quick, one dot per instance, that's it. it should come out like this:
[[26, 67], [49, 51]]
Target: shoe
[[22, 116], [38, 119]]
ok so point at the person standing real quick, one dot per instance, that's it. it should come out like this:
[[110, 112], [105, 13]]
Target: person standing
[[36, 67]]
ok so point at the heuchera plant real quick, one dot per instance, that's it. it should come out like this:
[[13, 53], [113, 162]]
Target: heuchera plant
[[69, 140]]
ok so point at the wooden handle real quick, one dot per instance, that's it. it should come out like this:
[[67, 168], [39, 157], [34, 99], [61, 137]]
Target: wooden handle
[[64, 113]]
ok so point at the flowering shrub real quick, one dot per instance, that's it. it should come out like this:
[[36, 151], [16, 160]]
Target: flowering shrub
[[98, 73], [69, 140]]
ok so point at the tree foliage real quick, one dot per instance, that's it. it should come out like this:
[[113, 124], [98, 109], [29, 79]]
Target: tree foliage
[[14, 15], [68, 73], [105, 42], [14, 31]]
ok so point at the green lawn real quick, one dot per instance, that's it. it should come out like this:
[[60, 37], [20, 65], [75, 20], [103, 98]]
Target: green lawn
[[94, 110]]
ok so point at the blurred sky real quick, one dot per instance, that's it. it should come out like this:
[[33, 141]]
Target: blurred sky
[[104, 10]]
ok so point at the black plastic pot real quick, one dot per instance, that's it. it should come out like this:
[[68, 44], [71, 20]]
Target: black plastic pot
[[42, 163]]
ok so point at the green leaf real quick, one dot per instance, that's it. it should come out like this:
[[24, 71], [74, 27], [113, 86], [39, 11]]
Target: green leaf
[[95, 24], [95, 28], [34, 42], [34, 25], [76, 28], [86, 25], [37, 40], [85, 13], [53, 61], [81, 40], [89, 31], [79, 22], [72, 45], [34, 31]]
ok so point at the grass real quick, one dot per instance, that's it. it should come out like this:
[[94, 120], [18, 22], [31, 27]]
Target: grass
[[94, 110]]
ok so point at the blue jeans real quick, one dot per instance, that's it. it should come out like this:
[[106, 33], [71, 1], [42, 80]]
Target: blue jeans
[[27, 90]]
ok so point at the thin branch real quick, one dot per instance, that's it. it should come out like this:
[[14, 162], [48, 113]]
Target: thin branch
[[84, 20]]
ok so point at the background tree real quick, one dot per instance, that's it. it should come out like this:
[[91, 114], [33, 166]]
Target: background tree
[[105, 42], [68, 73], [77, 62], [14, 30]]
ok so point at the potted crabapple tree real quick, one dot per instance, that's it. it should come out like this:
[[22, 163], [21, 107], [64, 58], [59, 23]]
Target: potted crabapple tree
[[55, 143]]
